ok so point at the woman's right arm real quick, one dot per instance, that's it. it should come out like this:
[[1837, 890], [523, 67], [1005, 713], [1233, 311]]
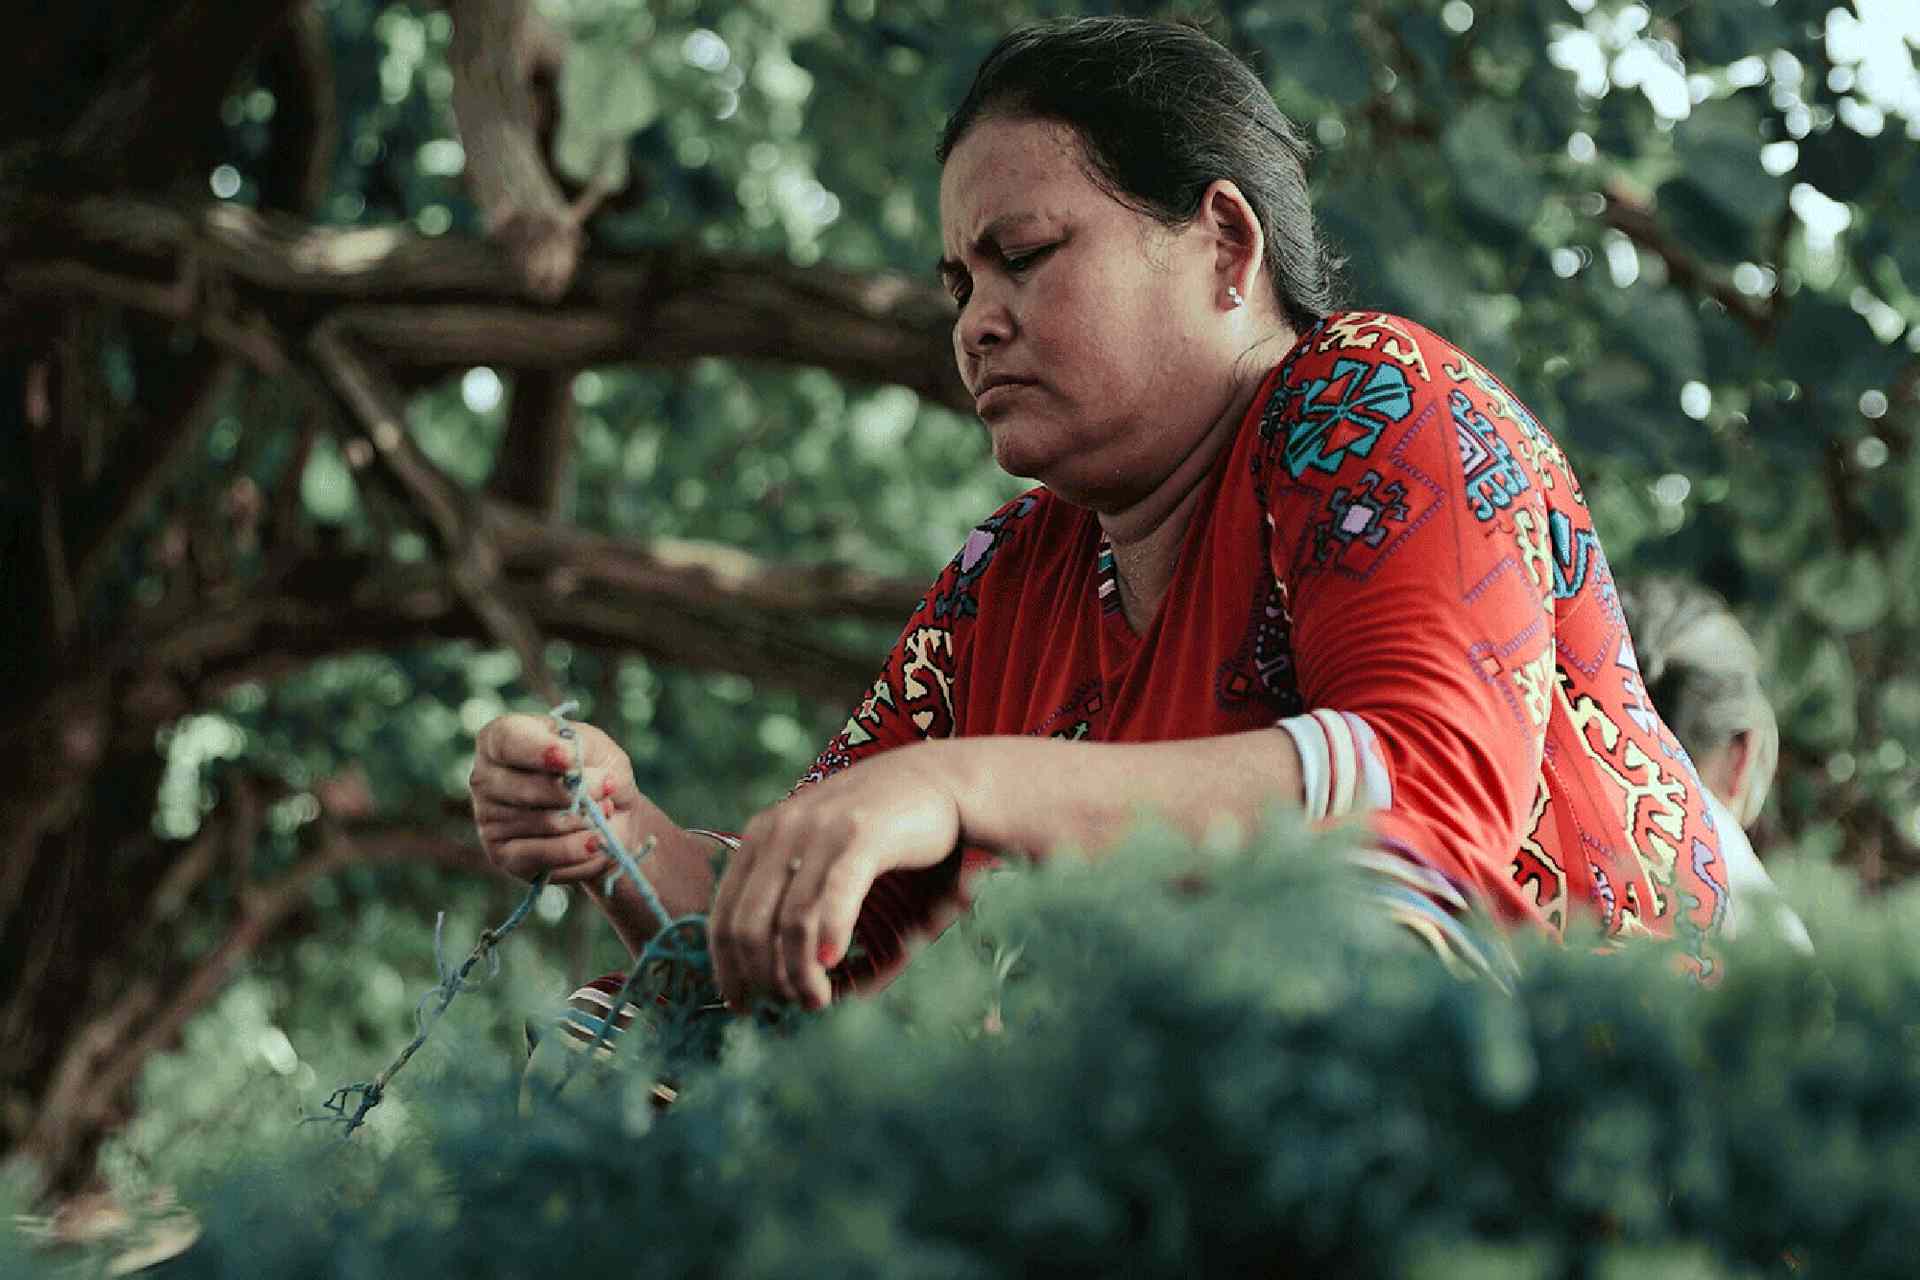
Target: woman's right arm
[[521, 810]]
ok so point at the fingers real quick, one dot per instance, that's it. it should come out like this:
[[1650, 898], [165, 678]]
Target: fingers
[[815, 923], [522, 801], [520, 741], [590, 871], [742, 919], [566, 859], [785, 912], [509, 822], [498, 788], [522, 759]]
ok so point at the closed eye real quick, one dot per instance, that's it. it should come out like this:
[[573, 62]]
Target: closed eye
[[1018, 263], [960, 285]]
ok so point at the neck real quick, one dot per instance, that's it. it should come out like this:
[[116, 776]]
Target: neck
[[1146, 534]]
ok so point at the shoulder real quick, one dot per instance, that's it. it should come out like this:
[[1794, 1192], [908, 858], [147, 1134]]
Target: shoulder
[[1012, 534], [1014, 523], [1406, 350], [1350, 380], [1360, 375], [1370, 338]]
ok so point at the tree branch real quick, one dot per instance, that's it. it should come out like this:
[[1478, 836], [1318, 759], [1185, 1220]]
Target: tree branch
[[331, 605], [530, 468], [1628, 215], [472, 565], [297, 67], [297, 62], [450, 301], [104, 1060], [701, 605], [146, 460], [81, 424], [491, 56], [63, 610]]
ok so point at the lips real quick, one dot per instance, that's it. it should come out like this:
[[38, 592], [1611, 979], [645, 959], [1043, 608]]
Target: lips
[[995, 381]]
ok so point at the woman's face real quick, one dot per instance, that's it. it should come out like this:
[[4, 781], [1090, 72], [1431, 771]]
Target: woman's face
[[1089, 335]]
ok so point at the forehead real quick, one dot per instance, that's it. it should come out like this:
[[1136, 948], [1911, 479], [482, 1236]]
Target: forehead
[[1012, 165]]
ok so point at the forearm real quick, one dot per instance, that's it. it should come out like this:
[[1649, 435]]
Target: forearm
[[679, 869], [1039, 795]]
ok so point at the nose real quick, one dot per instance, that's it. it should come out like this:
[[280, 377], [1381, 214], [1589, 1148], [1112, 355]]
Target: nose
[[986, 323]]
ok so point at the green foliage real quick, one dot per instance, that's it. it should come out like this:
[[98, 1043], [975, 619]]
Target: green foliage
[[1174, 1062]]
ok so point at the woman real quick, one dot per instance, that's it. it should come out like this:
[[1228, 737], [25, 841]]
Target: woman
[[1703, 673], [1280, 554]]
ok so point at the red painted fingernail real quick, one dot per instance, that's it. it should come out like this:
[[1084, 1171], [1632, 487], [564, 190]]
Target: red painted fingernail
[[556, 757], [828, 956], [593, 844]]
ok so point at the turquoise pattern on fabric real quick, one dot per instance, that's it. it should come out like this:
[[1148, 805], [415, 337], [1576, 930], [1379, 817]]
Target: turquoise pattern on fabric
[[1344, 415], [1494, 476]]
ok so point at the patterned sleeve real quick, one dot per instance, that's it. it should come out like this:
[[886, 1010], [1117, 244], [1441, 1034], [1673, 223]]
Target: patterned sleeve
[[917, 696], [1423, 647]]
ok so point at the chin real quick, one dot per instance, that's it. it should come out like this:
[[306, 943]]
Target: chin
[[1013, 452]]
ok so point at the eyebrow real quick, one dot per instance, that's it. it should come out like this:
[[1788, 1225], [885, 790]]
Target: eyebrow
[[989, 236]]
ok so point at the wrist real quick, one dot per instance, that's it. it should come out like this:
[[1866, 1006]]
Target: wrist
[[953, 766]]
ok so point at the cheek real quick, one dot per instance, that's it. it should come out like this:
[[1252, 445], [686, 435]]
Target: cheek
[[1120, 337], [1077, 330]]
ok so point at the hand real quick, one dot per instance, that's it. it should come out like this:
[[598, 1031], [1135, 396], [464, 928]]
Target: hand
[[785, 910], [521, 801]]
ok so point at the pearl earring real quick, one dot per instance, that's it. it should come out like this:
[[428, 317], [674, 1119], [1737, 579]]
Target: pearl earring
[[1233, 297]]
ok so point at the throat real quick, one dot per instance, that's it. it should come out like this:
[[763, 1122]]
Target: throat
[[1145, 561], [1146, 536]]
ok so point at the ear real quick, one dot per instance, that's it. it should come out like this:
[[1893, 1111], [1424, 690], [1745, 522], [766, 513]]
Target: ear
[[1234, 234], [1738, 766]]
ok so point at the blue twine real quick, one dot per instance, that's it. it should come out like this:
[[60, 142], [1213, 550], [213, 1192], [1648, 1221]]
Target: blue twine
[[677, 957], [452, 983], [585, 804], [677, 952]]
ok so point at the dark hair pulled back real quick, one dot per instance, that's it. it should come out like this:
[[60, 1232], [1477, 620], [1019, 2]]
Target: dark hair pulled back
[[1162, 111]]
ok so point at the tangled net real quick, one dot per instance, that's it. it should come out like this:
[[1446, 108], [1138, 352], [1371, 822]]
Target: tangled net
[[673, 974]]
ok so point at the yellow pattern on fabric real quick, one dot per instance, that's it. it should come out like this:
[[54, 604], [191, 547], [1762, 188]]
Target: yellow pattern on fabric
[[929, 651], [1555, 907], [1536, 556], [1656, 837], [1536, 679], [1631, 925], [881, 695], [1370, 331]]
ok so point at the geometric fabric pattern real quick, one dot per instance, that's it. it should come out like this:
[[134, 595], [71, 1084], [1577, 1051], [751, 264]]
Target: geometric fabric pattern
[[1393, 558]]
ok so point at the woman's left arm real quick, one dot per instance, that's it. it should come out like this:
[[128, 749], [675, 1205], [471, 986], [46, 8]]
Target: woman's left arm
[[785, 912]]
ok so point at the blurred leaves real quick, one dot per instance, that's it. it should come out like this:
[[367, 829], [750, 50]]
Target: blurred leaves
[[1718, 154], [606, 97], [1849, 593], [1250, 1070], [1494, 180]]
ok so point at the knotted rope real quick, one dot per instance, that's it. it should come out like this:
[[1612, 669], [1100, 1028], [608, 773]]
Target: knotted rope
[[674, 966]]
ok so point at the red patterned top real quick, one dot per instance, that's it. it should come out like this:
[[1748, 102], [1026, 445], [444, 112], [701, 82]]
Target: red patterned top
[[1392, 561]]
